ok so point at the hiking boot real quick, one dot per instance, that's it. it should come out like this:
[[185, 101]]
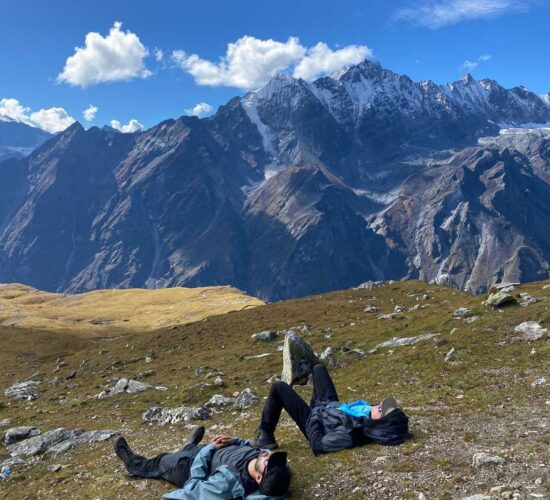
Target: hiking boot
[[196, 436], [388, 405], [265, 440], [124, 452]]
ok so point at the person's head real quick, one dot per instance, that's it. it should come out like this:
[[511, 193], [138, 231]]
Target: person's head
[[272, 473]]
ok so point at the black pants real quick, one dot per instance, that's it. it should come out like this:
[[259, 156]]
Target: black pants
[[282, 396], [172, 467]]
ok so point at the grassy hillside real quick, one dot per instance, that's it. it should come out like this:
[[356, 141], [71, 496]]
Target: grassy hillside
[[108, 312], [482, 400]]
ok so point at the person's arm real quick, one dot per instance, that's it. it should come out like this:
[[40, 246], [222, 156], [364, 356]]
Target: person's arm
[[314, 429]]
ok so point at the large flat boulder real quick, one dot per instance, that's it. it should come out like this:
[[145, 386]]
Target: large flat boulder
[[298, 358]]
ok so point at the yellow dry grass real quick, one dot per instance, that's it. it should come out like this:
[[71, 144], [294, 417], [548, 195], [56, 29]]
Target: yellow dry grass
[[110, 312]]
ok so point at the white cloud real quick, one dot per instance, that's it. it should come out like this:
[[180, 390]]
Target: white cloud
[[320, 59], [436, 14], [89, 113], [199, 109], [159, 54], [118, 56], [52, 119], [49, 119], [247, 64], [12, 108], [250, 62], [468, 66], [132, 126]]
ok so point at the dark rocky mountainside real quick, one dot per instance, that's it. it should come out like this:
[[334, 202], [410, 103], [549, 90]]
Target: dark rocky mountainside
[[295, 189]]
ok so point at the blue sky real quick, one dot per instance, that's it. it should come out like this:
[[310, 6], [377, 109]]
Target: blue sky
[[120, 72]]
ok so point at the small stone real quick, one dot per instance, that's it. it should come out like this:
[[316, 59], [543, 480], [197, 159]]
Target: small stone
[[257, 356], [163, 416], [148, 359], [247, 398], [449, 355], [539, 382], [219, 400], [380, 459], [398, 309], [471, 319], [406, 341], [480, 459], [461, 312], [265, 336], [477, 497], [5, 422], [370, 309], [327, 354], [218, 381]]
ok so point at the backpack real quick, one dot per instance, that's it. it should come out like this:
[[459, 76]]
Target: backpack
[[342, 431]]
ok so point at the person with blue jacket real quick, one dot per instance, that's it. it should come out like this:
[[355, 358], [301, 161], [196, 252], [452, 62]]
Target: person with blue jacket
[[227, 468]]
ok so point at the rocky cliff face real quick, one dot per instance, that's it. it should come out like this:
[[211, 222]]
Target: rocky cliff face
[[297, 188]]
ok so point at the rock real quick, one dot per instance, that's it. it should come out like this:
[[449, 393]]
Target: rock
[[327, 354], [54, 468], [148, 359], [471, 319], [416, 307], [359, 352], [124, 385], [369, 285], [539, 382], [199, 372], [500, 286], [370, 309], [16, 434], [449, 355], [265, 336], [380, 459], [39, 444], [477, 497], [218, 381], [135, 386], [461, 312], [530, 330], [404, 341], [399, 309], [5, 422], [23, 390], [219, 400], [389, 316], [163, 416], [500, 299], [71, 375], [481, 459], [298, 358], [525, 299], [247, 398], [257, 356]]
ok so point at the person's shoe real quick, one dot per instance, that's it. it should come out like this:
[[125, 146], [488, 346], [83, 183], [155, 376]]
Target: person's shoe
[[264, 439], [196, 436], [124, 452], [388, 405]]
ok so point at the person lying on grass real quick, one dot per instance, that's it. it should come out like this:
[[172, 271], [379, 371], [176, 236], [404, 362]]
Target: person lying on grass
[[328, 424], [224, 469]]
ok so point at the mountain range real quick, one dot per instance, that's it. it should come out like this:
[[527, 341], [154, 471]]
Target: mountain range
[[297, 188], [18, 139]]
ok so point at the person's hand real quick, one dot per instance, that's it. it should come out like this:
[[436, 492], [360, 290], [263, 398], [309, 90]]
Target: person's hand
[[221, 441]]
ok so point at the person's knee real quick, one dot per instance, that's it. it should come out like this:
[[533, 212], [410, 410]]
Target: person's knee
[[317, 369], [279, 386]]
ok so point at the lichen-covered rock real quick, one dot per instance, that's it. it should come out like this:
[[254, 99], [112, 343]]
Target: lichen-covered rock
[[370, 309], [298, 358], [461, 312], [500, 299], [246, 399], [128, 386], [23, 390], [163, 416], [16, 434]]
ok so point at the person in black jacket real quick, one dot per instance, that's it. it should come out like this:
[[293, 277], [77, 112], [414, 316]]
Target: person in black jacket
[[323, 424]]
